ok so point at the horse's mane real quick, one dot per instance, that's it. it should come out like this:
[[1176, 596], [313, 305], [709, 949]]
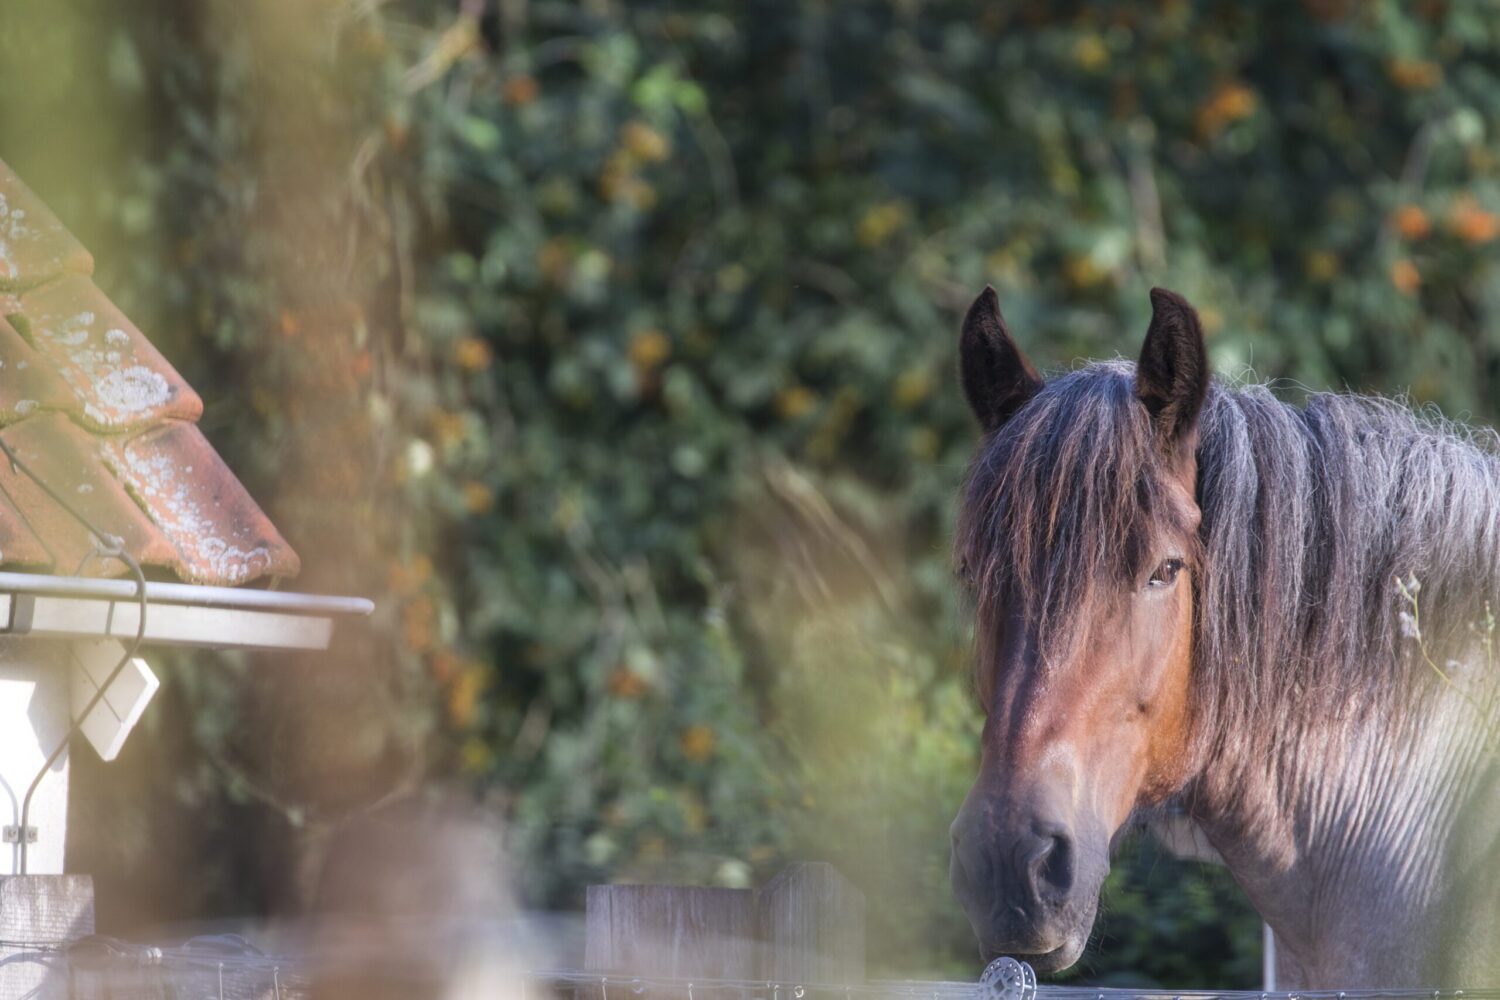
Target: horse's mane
[[1310, 513]]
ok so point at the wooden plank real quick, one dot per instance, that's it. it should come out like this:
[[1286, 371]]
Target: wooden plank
[[671, 931], [806, 926], [171, 624], [38, 911], [812, 924]]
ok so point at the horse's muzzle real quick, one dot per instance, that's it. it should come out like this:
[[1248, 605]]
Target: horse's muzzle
[[1026, 888]]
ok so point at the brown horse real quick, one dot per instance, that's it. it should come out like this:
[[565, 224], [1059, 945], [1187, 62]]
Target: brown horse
[[1187, 595]]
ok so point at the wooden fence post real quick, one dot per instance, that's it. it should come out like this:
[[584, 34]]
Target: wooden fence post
[[670, 931], [807, 925], [812, 927]]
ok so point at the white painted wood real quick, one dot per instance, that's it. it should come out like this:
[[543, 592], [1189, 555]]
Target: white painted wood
[[124, 701], [34, 718], [185, 593], [173, 624], [1268, 958]]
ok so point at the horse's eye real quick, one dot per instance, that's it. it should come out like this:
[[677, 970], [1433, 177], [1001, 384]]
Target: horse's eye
[[1165, 574]]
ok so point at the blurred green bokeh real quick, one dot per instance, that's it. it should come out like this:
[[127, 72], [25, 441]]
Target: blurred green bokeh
[[610, 347]]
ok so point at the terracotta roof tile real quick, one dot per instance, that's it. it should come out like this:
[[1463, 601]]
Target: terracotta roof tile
[[34, 246], [27, 382], [220, 534], [69, 460], [19, 546], [121, 381], [99, 415]]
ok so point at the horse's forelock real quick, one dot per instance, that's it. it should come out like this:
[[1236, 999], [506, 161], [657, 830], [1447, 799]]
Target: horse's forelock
[[1065, 505]]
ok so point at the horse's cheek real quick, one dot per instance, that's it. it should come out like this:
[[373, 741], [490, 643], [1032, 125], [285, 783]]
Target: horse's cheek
[[1171, 723]]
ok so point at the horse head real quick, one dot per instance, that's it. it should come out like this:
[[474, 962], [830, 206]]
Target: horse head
[[1078, 543]]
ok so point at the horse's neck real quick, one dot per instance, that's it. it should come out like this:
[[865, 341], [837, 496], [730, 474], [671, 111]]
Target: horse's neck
[[1371, 850]]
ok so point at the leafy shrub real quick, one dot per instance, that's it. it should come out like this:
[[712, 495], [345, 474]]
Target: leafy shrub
[[647, 310]]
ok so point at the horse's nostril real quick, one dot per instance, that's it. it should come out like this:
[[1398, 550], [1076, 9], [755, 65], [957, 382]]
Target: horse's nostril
[[1059, 869], [1051, 869]]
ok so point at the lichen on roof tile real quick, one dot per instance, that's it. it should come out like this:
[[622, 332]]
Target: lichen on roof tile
[[27, 383], [69, 460], [34, 245], [121, 381], [222, 536]]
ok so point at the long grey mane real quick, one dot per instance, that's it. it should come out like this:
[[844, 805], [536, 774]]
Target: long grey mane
[[1310, 513]]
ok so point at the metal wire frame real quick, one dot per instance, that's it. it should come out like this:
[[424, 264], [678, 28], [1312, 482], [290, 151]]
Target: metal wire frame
[[123, 969], [282, 978], [575, 984], [226, 968]]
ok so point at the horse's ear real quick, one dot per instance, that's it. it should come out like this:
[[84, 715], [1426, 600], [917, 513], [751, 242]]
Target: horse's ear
[[997, 378], [1172, 376]]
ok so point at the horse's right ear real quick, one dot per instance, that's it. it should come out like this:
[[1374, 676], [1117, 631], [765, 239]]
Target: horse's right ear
[[997, 378]]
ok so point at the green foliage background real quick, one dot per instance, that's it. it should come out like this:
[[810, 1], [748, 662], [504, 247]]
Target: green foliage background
[[610, 347]]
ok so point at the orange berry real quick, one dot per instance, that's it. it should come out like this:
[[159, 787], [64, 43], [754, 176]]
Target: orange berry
[[1473, 224], [626, 684], [1406, 277], [473, 354], [1411, 222], [520, 90], [1414, 74], [698, 742]]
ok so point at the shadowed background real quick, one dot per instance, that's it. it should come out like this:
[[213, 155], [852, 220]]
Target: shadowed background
[[610, 348]]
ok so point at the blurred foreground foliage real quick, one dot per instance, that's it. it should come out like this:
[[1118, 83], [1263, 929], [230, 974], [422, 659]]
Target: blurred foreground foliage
[[610, 346]]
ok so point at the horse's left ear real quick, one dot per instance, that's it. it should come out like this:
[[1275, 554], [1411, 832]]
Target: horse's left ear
[[997, 378], [1172, 375]]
